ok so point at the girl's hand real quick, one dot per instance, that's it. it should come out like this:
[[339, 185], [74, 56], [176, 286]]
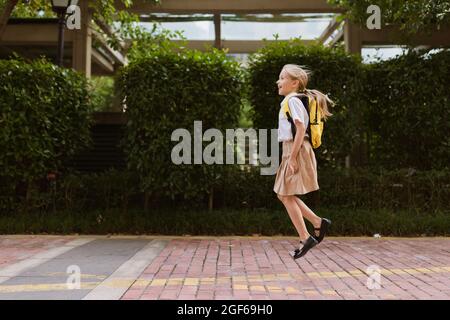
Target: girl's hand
[[292, 166]]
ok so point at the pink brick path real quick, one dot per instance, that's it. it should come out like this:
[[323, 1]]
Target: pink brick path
[[256, 268], [16, 248], [260, 268]]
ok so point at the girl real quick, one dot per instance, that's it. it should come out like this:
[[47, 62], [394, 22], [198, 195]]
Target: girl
[[297, 173]]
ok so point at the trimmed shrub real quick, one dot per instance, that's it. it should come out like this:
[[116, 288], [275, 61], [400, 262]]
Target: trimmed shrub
[[169, 90], [346, 222], [359, 188], [408, 113], [391, 114], [360, 202], [44, 117]]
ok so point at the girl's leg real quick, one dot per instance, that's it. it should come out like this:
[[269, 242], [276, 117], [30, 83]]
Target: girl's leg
[[296, 215], [309, 214]]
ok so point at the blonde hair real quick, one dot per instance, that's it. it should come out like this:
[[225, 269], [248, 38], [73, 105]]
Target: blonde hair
[[301, 74]]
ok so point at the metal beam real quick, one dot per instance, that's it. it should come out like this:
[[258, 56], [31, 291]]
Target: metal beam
[[352, 37], [109, 32], [337, 38], [391, 35], [115, 55], [231, 6], [332, 26], [155, 17], [45, 33], [29, 34], [100, 60], [217, 31]]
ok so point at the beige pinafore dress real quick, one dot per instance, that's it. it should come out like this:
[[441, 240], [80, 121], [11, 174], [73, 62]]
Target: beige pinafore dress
[[304, 180]]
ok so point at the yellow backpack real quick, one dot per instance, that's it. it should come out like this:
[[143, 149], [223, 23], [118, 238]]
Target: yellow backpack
[[315, 126]]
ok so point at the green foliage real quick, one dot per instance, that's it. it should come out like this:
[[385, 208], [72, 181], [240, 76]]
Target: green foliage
[[246, 188], [124, 23], [155, 41], [245, 119], [102, 93], [243, 222], [333, 72], [411, 16], [44, 117], [360, 202], [33, 9], [386, 189], [164, 91], [78, 192], [389, 114], [408, 115], [358, 188]]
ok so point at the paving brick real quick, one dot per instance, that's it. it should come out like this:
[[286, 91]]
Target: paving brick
[[261, 268]]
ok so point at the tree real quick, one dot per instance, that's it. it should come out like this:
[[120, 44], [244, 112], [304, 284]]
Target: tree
[[411, 16], [6, 7]]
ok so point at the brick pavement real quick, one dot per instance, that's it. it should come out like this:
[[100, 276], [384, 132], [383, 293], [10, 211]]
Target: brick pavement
[[339, 268], [223, 268], [16, 248]]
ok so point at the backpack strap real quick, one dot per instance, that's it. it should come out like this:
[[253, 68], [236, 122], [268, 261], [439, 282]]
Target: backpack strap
[[305, 101], [291, 121]]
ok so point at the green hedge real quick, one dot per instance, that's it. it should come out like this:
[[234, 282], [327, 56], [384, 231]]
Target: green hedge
[[391, 114], [44, 117], [101, 89], [333, 72], [359, 188], [361, 202], [426, 191], [360, 222], [408, 116], [164, 91], [392, 189]]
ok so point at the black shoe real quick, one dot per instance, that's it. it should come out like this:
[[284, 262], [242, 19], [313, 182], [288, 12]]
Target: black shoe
[[324, 225], [308, 244], [323, 230]]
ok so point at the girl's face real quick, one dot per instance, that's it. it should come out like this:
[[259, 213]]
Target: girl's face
[[285, 84]]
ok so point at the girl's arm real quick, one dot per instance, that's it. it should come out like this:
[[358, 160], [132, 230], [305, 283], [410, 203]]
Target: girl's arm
[[298, 139], [292, 163]]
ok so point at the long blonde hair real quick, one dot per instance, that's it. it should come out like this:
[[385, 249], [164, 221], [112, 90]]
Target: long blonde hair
[[301, 74]]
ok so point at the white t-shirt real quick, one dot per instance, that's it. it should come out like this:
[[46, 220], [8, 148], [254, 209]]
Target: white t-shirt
[[297, 111]]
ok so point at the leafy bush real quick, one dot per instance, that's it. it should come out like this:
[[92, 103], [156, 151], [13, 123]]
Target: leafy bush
[[44, 117], [397, 189], [79, 192], [409, 110], [102, 92], [354, 189], [168, 90], [361, 202], [240, 222], [246, 189], [390, 114]]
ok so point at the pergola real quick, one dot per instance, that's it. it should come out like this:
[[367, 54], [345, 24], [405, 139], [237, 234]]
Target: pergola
[[87, 50]]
